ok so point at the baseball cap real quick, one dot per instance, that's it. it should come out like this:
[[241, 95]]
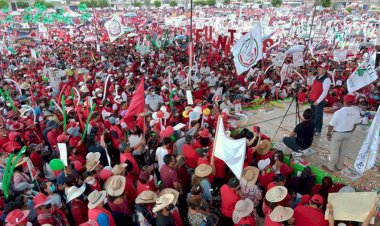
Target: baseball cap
[[323, 65], [350, 99], [318, 199]]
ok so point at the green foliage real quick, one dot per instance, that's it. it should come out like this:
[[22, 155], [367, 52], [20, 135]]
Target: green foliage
[[3, 4], [226, 2], [324, 3], [22, 5], [157, 3], [103, 3], [276, 3], [211, 2], [147, 3], [49, 5], [173, 3], [259, 2], [349, 9], [137, 4], [200, 3]]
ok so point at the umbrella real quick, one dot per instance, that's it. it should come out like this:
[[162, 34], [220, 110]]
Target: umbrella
[[15, 13], [373, 21], [295, 49], [181, 37], [127, 29], [303, 35], [131, 35], [319, 8], [366, 44], [130, 14], [89, 39]]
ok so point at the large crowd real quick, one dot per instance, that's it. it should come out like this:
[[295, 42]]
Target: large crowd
[[157, 167]]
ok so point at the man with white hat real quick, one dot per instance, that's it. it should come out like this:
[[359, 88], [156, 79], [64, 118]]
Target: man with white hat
[[96, 211]]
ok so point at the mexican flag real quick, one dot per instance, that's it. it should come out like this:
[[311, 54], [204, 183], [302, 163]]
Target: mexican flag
[[364, 75], [114, 28], [248, 50]]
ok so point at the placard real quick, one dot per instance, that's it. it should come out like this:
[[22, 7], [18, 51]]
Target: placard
[[340, 55]]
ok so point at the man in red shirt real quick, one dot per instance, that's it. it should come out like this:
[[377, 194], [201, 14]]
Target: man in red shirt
[[169, 175], [230, 195], [189, 152], [311, 215], [126, 154]]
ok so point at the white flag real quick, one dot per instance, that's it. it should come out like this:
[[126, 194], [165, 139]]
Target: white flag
[[278, 61], [298, 59], [364, 75], [248, 50], [114, 28], [231, 151], [367, 155]]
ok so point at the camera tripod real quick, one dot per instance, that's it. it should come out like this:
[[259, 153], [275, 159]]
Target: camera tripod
[[297, 119]]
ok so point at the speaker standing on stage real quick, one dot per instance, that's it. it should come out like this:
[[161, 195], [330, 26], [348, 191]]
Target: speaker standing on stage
[[318, 93]]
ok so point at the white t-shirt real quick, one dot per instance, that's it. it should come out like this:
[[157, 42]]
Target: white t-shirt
[[345, 118], [153, 101], [205, 70], [160, 153], [229, 106], [211, 81]]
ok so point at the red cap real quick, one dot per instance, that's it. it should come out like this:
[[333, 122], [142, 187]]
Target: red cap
[[63, 138], [77, 165], [105, 174], [324, 66], [349, 99], [317, 199], [305, 198], [39, 200]]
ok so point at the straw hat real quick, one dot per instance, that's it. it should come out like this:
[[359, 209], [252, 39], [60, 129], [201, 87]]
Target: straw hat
[[242, 209], [16, 126], [249, 176], [95, 198], [119, 168], [74, 192], [264, 147], [203, 170], [171, 191], [162, 202], [276, 194], [91, 165], [15, 217], [205, 133], [93, 156], [146, 197], [281, 214], [115, 185]]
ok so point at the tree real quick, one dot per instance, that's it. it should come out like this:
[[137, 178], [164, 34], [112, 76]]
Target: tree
[[147, 3], [103, 3], [173, 3], [276, 3], [137, 4], [226, 2], [157, 3], [22, 5], [348, 9], [211, 2], [325, 3], [3, 4]]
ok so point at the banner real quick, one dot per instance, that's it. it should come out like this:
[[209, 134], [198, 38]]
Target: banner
[[114, 28], [298, 59], [231, 151], [368, 151], [357, 209], [340, 55], [279, 59], [248, 50], [319, 47], [364, 75]]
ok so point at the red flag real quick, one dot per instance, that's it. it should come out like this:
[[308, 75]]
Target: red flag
[[68, 38], [137, 104], [105, 37], [61, 34]]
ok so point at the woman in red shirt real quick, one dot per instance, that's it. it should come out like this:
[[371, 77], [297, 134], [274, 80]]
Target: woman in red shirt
[[243, 213]]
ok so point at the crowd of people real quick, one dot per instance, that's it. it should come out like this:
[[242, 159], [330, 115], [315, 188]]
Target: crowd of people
[[157, 167]]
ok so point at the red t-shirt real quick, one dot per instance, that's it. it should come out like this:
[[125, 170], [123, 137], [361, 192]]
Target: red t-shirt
[[269, 222], [307, 215], [130, 190], [150, 186], [266, 178], [191, 155], [229, 199], [168, 176], [133, 175]]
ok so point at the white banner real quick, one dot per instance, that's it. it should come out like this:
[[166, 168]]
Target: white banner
[[279, 59], [364, 75], [368, 151], [114, 28], [248, 50], [298, 59], [231, 151], [340, 55]]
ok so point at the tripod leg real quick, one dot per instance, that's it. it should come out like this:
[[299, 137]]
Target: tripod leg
[[282, 120]]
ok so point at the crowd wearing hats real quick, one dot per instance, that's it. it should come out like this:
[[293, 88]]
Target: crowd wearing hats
[[157, 167]]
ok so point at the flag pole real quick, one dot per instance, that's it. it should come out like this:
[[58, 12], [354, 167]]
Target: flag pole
[[191, 45]]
